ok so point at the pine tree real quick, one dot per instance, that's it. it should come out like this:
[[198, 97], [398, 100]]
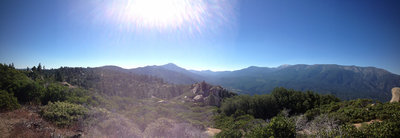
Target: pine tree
[[39, 68]]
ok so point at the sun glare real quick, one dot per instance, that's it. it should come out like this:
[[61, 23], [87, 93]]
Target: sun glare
[[159, 14], [186, 17]]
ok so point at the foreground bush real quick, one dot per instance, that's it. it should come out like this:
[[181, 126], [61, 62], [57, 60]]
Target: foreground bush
[[248, 126], [63, 113], [383, 129], [278, 127], [269, 105], [8, 101], [54, 92]]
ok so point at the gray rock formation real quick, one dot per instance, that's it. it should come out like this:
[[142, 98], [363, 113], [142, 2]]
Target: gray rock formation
[[210, 95], [198, 98], [395, 95]]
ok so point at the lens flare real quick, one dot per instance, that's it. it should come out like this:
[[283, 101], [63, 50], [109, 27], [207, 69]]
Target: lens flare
[[160, 14], [182, 17]]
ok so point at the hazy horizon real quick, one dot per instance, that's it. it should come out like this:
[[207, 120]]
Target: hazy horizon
[[191, 69], [200, 34]]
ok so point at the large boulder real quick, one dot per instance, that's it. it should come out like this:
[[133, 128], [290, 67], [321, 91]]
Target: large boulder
[[395, 95], [198, 98], [209, 94]]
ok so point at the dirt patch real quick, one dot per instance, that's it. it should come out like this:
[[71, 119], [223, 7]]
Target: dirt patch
[[358, 125], [68, 85], [212, 131]]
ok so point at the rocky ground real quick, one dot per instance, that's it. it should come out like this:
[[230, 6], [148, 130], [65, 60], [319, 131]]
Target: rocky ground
[[26, 123]]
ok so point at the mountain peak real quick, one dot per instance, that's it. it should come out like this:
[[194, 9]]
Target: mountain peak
[[173, 67], [283, 66], [253, 67], [112, 67], [170, 65]]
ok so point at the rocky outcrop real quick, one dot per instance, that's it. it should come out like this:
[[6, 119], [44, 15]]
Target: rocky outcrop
[[395, 95], [198, 98], [209, 94]]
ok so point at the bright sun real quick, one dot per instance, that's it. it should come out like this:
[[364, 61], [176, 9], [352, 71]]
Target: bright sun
[[167, 18], [158, 14]]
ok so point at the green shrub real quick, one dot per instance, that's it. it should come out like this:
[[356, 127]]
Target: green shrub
[[350, 130], [81, 96], [281, 127], [63, 113], [57, 92], [383, 129], [278, 127], [269, 105], [230, 133], [8, 101], [54, 92], [258, 132]]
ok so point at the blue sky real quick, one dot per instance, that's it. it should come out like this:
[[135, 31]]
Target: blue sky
[[230, 35]]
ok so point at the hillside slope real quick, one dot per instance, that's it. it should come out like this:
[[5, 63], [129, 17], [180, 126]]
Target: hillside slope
[[102, 102], [346, 82], [115, 81], [170, 73]]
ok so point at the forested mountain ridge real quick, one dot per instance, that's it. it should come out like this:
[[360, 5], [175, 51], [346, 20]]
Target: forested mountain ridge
[[346, 82], [170, 73], [115, 81]]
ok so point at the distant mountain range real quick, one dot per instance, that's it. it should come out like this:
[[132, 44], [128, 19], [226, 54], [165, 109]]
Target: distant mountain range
[[346, 82], [169, 73]]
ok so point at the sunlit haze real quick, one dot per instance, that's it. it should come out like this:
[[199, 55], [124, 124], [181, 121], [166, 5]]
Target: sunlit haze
[[200, 34], [199, 68]]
